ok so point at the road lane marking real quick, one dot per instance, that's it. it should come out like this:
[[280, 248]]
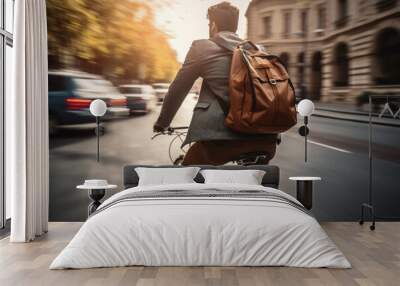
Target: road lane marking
[[330, 147], [321, 144]]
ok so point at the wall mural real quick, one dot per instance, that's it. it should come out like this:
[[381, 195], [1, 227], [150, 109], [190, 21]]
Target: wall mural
[[128, 52]]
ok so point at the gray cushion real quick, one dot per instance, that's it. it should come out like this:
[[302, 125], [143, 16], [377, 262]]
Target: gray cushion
[[270, 179]]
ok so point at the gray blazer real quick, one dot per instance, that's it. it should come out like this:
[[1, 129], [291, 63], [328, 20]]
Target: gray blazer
[[210, 61]]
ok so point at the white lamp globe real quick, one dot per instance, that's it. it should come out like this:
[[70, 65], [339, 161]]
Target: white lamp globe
[[305, 107], [98, 107]]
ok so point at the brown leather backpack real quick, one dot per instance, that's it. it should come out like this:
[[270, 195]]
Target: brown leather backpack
[[262, 97]]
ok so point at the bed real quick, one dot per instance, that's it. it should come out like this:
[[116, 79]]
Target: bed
[[198, 224]]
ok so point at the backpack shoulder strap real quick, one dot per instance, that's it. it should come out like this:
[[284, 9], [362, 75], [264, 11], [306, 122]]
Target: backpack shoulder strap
[[222, 44], [219, 42], [245, 44]]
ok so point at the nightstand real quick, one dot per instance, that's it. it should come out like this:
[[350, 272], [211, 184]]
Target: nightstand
[[304, 190], [96, 190]]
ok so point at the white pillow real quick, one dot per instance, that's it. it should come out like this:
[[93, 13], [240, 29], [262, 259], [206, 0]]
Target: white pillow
[[166, 176], [248, 177]]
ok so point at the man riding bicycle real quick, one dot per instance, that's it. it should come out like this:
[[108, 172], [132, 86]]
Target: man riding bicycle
[[215, 143]]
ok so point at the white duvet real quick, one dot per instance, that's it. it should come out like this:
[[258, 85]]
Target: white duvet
[[200, 231]]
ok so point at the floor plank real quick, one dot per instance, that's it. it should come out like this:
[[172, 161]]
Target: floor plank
[[375, 257]]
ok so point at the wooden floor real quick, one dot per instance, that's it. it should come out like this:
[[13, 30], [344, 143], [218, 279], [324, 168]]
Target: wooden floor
[[375, 257]]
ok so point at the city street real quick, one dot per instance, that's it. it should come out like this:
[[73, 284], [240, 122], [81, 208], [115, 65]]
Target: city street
[[338, 152]]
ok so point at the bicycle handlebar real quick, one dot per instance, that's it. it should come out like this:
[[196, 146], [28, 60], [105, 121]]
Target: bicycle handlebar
[[178, 128], [169, 131]]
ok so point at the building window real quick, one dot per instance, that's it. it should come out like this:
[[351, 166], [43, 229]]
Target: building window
[[341, 65], [383, 5], [387, 57], [285, 59], [342, 13], [267, 23], [321, 17], [304, 22], [6, 62], [301, 76], [362, 7], [287, 23], [316, 75]]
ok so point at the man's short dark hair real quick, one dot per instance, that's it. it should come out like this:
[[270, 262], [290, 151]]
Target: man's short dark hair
[[225, 16]]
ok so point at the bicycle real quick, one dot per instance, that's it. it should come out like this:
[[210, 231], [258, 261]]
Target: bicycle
[[246, 159], [180, 138]]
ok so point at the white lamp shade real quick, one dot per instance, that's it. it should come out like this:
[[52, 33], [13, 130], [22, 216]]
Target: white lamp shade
[[98, 107], [305, 107]]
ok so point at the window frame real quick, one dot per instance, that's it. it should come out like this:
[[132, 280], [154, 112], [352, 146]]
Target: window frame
[[341, 76], [322, 16], [304, 21], [287, 24], [342, 13], [6, 39], [267, 34]]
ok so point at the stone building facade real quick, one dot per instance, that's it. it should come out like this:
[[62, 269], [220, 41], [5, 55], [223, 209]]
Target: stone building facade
[[336, 49]]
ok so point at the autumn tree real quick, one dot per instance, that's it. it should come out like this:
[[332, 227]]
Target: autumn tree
[[118, 39]]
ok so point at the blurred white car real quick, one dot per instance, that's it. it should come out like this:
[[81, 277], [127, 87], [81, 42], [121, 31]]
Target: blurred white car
[[160, 90], [141, 98]]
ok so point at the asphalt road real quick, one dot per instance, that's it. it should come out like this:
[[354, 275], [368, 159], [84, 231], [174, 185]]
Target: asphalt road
[[338, 152]]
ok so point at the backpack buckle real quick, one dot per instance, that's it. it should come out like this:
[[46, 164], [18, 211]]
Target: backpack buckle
[[272, 81]]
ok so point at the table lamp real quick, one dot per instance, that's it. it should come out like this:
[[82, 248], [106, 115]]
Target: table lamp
[[98, 108], [305, 108]]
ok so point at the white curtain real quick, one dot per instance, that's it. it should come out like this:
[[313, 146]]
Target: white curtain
[[27, 124]]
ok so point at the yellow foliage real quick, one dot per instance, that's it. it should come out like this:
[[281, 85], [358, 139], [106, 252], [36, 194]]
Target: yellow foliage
[[116, 38]]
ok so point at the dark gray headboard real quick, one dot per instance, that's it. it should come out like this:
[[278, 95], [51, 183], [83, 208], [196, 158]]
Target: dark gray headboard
[[271, 178]]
